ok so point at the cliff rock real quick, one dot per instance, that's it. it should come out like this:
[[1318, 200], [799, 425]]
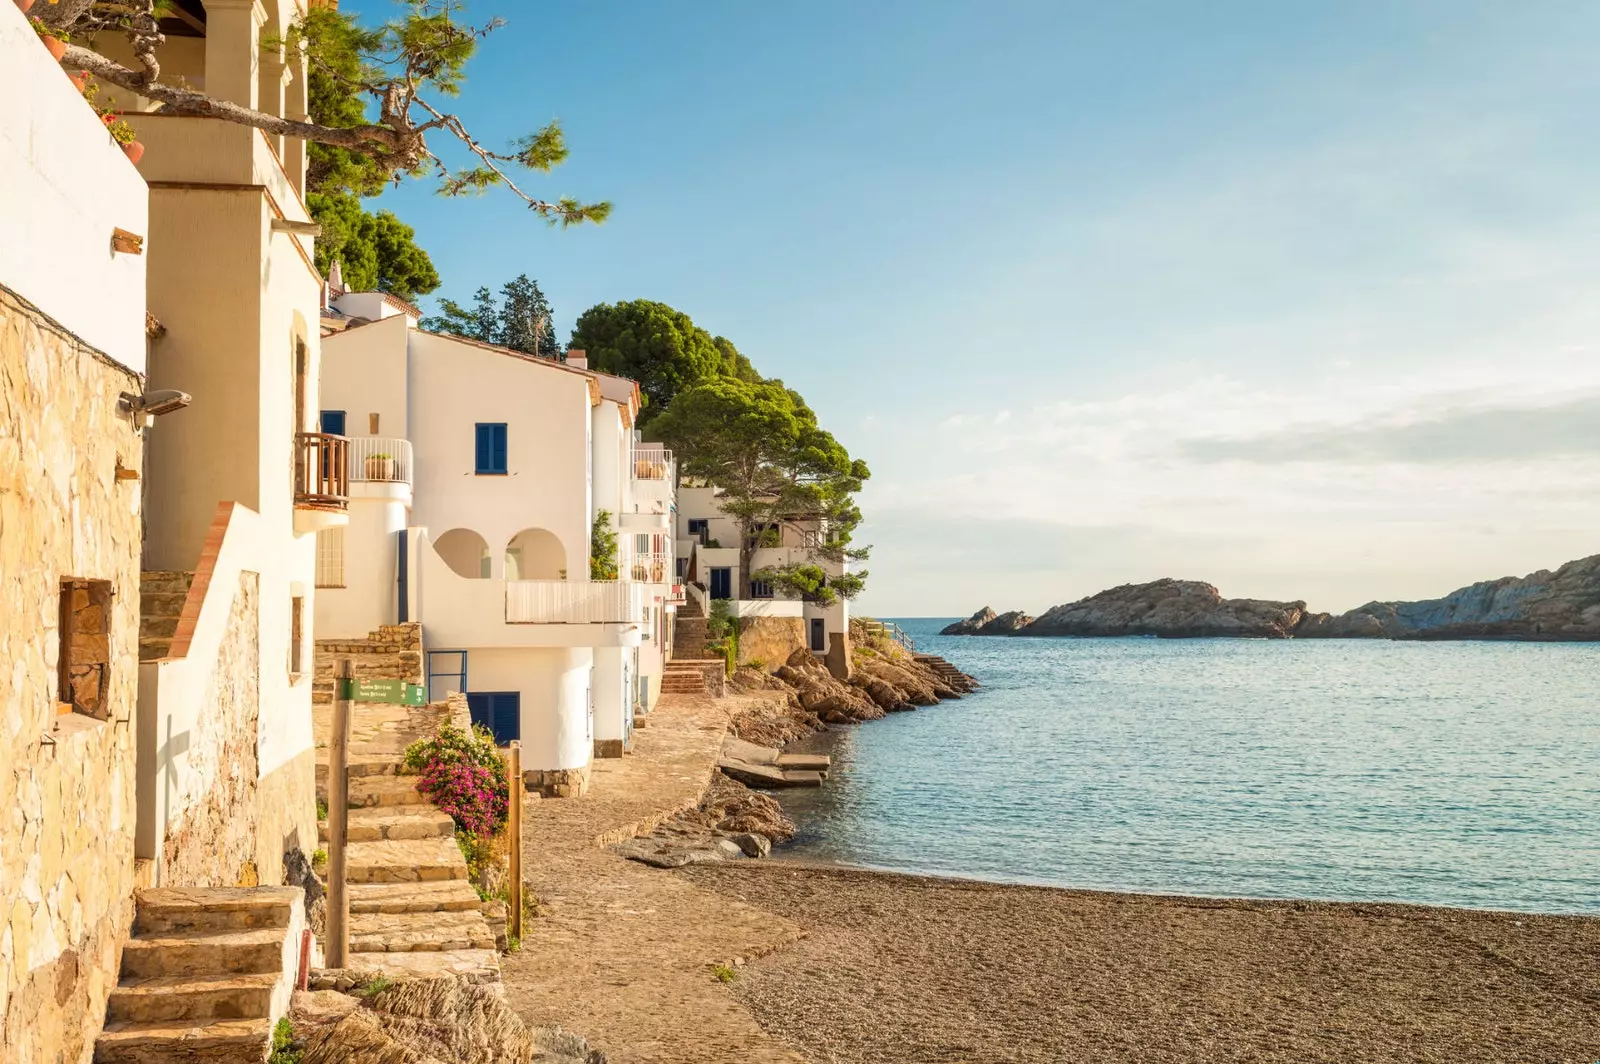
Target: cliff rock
[[1559, 605], [1545, 605], [1177, 609]]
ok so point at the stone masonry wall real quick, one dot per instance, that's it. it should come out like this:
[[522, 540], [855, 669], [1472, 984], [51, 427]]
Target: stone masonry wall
[[66, 780], [212, 843], [770, 640], [393, 652]]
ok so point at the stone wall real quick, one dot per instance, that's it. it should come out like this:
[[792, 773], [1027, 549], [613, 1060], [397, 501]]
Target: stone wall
[[66, 780], [770, 640], [212, 843], [557, 782], [392, 652]]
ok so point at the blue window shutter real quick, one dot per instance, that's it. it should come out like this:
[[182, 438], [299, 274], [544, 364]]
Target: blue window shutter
[[333, 422], [484, 456], [499, 448]]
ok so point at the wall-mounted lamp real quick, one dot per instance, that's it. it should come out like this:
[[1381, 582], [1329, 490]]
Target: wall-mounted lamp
[[151, 405]]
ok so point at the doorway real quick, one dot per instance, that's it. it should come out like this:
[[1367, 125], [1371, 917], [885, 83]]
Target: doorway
[[819, 642], [722, 583]]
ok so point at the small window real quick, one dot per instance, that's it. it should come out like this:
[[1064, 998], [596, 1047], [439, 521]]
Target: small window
[[330, 557], [699, 526], [760, 589], [490, 448], [297, 632], [84, 661], [333, 422]]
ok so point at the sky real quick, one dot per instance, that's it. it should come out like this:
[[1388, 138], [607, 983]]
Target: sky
[[1297, 299]]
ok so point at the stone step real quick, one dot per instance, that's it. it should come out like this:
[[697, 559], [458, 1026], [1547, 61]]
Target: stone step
[[362, 767], [481, 965], [374, 823], [202, 953], [171, 998], [366, 791], [162, 603], [171, 911], [164, 581], [433, 932], [444, 896], [404, 861], [220, 1042], [160, 626]]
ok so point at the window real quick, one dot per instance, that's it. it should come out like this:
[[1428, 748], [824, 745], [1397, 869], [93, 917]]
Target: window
[[330, 557], [699, 526], [760, 589], [333, 422], [297, 636], [722, 583], [499, 711], [490, 448], [83, 671]]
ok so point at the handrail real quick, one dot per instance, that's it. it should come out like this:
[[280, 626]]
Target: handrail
[[573, 602], [653, 463], [380, 459], [321, 470]]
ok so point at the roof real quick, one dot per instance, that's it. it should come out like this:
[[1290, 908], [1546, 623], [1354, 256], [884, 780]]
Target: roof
[[548, 363]]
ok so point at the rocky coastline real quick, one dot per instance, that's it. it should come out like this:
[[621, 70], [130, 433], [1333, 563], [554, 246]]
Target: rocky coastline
[[801, 697], [1551, 606]]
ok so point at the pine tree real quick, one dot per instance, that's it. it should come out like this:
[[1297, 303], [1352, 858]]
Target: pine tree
[[526, 321]]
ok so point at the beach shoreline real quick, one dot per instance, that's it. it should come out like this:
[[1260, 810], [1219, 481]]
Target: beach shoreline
[[911, 968]]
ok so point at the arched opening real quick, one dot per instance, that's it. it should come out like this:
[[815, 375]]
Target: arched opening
[[465, 552], [535, 554]]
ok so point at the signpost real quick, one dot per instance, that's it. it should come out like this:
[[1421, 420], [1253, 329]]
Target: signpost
[[394, 692], [514, 829], [338, 919]]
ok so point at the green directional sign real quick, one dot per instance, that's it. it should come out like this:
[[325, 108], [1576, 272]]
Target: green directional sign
[[394, 692]]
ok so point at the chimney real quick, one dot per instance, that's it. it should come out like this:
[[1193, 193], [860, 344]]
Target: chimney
[[577, 358]]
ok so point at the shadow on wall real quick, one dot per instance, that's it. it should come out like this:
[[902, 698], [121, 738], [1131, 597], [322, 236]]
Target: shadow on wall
[[536, 554], [465, 552]]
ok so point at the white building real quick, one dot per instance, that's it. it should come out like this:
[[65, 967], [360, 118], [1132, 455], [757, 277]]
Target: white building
[[477, 474], [708, 561]]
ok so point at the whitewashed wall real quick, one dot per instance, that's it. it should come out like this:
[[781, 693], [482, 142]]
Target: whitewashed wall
[[64, 186]]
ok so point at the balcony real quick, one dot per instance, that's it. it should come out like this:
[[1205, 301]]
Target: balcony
[[380, 460], [654, 463], [653, 484], [574, 602], [655, 567], [321, 482]]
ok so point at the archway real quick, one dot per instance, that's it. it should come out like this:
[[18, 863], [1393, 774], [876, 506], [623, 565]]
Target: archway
[[536, 554], [465, 552]]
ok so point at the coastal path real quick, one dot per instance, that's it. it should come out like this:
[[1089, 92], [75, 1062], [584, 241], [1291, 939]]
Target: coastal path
[[622, 953]]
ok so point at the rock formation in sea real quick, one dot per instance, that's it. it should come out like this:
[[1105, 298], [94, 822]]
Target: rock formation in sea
[[1559, 605]]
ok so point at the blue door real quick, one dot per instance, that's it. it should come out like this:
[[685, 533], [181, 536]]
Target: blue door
[[499, 711], [722, 583], [819, 640]]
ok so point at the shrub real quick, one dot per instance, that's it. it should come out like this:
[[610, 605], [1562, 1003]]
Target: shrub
[[464, 775]]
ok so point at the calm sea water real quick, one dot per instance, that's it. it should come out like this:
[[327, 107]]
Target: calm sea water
[[1460, 774]]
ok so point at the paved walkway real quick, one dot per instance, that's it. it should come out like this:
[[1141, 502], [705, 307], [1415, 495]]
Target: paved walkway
[[621, 952]]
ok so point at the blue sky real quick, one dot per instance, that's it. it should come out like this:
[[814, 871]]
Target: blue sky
[[1295, 298]]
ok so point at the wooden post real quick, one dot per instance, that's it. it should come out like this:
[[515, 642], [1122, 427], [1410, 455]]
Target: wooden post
[[337, 948], [514, 826]]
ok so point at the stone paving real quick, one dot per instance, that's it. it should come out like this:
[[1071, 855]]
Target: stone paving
[[622, 953]]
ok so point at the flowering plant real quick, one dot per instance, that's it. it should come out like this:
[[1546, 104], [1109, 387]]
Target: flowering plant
[[463, 774]]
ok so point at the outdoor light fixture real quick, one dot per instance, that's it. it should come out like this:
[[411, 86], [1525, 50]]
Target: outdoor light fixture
[[152, 405]]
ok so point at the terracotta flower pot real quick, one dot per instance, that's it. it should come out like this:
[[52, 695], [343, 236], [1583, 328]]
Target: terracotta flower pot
[[134, 151], [24, 5], [80, 79], [380, 467], [56, 48]]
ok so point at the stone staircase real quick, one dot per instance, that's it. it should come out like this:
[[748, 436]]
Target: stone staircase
[[161, 597], [689, 635], [944, 669], [688, 676], [412, 909], [206, 975]]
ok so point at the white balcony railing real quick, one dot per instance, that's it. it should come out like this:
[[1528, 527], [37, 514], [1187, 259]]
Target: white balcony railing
[[653, 462], [574, 602], [653, 567], [377, 459]]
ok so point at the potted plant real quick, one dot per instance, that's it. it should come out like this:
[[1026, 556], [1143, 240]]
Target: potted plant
[[24, 5], [380, 467], [55, 41]]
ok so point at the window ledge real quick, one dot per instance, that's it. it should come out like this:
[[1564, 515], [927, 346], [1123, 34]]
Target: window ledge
[[68, 726]]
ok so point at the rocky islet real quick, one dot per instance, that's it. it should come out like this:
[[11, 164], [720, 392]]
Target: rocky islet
[[1563, 604]]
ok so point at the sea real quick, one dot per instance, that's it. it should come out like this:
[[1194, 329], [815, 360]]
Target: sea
[[1449, 773]]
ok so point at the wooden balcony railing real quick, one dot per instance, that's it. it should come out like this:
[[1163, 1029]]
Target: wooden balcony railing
[[321, 470]]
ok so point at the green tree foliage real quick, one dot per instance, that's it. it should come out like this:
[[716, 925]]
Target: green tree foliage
[[375, 251], [405, 68], [810, 584], [523, 322], [602, 548], [761, 445], [654, 344]]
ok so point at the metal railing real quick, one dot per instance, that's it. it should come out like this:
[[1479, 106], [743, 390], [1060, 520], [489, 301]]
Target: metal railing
[[573, 602], [321, 470], [653, 567], [379, 459], [653, 463]]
